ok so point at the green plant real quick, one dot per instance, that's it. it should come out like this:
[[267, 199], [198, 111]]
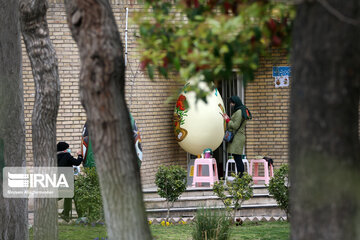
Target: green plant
[[238, 191], [211, 225], [279, 187], [87, 195], [171, 183], [212, 39]]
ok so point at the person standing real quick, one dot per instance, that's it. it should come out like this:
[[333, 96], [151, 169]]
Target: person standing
[[236, 124], [65, 159]]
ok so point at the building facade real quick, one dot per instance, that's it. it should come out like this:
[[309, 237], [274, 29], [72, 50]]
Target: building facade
[[267, 133]]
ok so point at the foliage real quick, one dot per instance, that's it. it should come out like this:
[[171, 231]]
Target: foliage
[[209, 39], [239, 190], [171, 183], [279, 187], [211, 224], [88, 196]]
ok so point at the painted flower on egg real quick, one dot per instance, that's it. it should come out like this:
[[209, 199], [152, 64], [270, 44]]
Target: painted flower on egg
[[179, 114], [199, 125]]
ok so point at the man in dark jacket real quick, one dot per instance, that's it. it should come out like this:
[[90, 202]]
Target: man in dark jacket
[[65, 159]]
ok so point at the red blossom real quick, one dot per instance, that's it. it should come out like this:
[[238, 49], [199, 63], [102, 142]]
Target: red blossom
[[196, 3], [202, 67], [276, 41], [212, 3], [144, 63], [165, 62], [253, 41], [190, 3], [271, 24], [227, 7]]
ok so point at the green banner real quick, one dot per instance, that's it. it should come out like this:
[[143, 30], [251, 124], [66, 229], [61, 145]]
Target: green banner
[[90, 159]]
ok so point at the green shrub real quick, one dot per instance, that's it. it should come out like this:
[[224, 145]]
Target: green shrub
[[279, 188], [87, 195], [211, 225], [171, 183], [238, 191]]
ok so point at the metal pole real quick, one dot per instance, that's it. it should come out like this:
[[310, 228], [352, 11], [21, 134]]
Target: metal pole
[[126, 32]]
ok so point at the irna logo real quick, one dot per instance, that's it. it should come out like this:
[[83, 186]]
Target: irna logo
[[36, 180]]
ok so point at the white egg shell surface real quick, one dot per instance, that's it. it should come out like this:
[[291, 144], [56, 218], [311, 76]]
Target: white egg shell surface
[[201, 125]]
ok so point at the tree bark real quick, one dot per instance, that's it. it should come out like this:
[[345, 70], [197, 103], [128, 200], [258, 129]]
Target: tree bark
[[13, 211], [324, 128], [47, 97], [102, 83]]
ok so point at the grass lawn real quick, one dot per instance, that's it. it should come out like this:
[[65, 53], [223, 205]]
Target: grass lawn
[[262, 231], [78, 232], [249, 231]]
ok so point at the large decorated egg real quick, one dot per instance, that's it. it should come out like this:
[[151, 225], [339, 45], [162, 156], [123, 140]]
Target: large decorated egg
[[199, 125]]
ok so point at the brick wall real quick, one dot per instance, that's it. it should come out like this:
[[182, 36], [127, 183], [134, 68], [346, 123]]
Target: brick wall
[[145, 98], [267, 133]]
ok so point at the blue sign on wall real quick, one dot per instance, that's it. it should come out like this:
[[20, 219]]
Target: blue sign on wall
[[281, 71]]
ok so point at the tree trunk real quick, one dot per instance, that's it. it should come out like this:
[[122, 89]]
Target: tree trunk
[[102, 83], [168, 211], [13, 211], [324, 132], [45, 72]]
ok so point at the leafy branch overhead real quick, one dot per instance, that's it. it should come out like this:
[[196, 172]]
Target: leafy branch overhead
[[209, 39]]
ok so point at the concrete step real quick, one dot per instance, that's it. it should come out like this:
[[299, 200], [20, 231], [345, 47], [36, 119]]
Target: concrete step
[[260, 205], [268, 210], [205, 201], [151, 193]]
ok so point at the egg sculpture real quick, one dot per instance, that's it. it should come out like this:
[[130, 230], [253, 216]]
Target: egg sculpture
[[199, 125]]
